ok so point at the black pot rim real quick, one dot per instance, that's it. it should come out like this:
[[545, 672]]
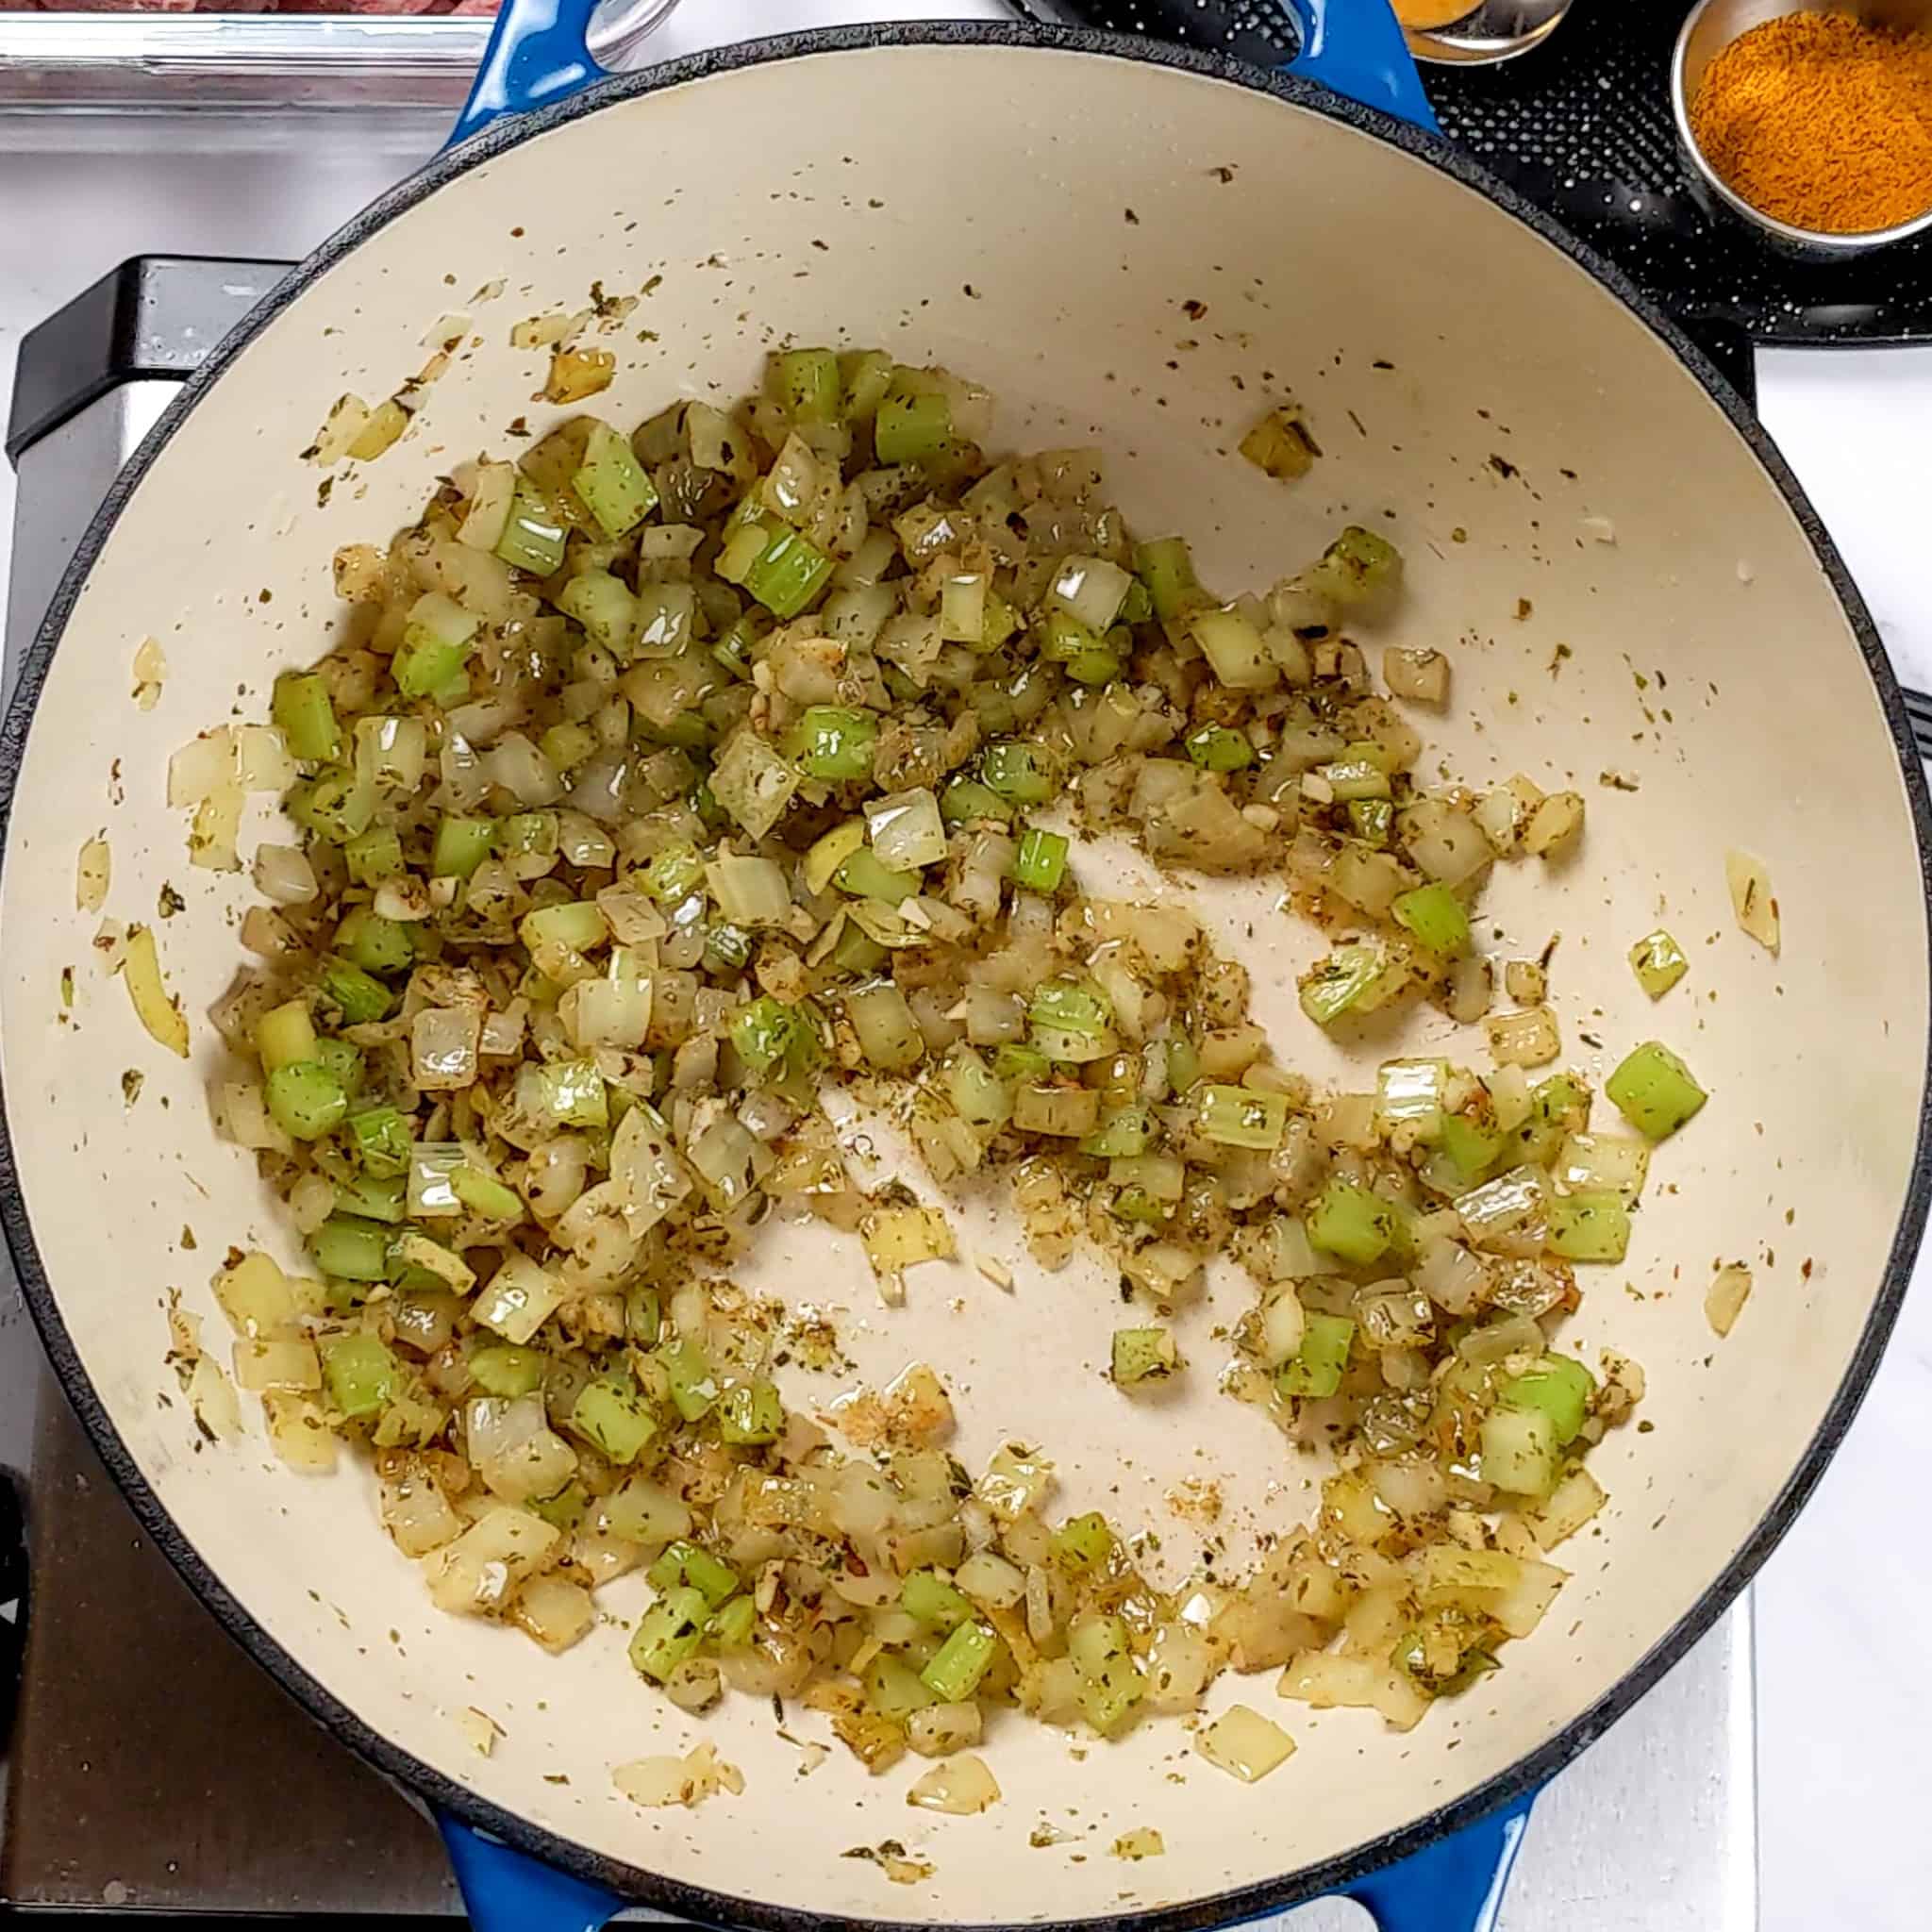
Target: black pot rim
[[701, 1903]]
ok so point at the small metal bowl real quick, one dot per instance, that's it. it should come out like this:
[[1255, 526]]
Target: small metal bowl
[[1711, 26]]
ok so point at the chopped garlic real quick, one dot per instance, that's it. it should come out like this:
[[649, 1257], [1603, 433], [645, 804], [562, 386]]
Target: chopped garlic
[[961, 1786], [1725, 1301], [687, 1781], [91, 875], [1752, 898], [480, 1730], [150, 669], [1141, 1843]]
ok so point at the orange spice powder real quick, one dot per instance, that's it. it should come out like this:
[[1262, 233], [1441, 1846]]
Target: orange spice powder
[[1821, 122]]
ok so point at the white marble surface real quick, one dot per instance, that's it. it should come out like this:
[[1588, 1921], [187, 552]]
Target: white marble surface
[[1844, 1711], [1845, 1752]]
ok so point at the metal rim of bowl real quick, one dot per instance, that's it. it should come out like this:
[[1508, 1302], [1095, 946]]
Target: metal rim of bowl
[[1821, 241]]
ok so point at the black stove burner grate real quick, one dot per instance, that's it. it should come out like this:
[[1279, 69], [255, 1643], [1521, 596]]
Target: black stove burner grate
[[1581, 126]]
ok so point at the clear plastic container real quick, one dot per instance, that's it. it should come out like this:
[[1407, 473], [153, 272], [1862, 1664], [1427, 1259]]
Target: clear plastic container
[[111, 62]]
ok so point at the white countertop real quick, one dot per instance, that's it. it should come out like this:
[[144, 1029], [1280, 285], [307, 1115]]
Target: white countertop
[[1845, 1750]]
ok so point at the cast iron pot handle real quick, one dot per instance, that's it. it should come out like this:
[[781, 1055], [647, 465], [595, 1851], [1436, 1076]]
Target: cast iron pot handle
[[539, 53]]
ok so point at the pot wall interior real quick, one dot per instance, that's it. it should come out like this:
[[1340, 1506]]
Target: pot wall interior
[[1139, 258]]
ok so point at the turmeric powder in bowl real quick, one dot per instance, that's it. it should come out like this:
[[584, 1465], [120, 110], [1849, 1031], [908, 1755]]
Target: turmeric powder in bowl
[[1821, 122]]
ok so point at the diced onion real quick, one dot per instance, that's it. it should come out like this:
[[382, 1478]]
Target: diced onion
[[1244, 1743]]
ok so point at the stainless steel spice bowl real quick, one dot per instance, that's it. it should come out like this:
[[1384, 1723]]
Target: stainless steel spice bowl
[[1711, 26]]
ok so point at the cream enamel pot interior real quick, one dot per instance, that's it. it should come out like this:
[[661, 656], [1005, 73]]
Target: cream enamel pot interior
[[1044, 217]]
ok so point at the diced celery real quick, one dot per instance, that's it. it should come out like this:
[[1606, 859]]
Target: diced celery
[[505, 1370], [609, 612], [727, 949], [1063, 638], [350, 1249], [1011, 1062], [928, 1597], [306, 716], [1519, 1451], [864, 374], [1110, 1681], [892, 1687], [913, 422], [1658, 963], [1371, 820], [856, 951], [1123, 1133], [1137, 1204], [965, 799], [1215, 748], [484, 1194], [577, 924], [333, 804], [1167, 570], [834, 741], [1354, 776], [361, 997], [1240, 1117], [612, 1413], [359, 1373], [338, 1056], [1558, 1387], [572, 1093], [1082, 1543], [1408, 1096], [1654, 1091], [1351, 1221], [1041, 862], [1065, 1007], [1588, 1228], [527, 835], [611, 484], [1471, 1146], [730, 1626], [1143, 1354], [285, 1035], [1101, 664], [1183, 1063], [565, 1509], [750, 1412], [760, 1031], [861, 874], [644, 1320], [1436, 917], [533, 539], [806, 383], [692, 1388], [674, 875], [372, 1198], [788, 573], [306, 1100], [1317, 1367], [1017, 772], [461, 847], [432, 668], [1356, 566], [382, 1141], [668, 1633], [376, 944], [961, 1662], [373, 855], [688, 1565], [1332, 986]]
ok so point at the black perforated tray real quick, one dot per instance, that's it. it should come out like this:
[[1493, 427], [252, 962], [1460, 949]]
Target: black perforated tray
[[1581, 125]]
